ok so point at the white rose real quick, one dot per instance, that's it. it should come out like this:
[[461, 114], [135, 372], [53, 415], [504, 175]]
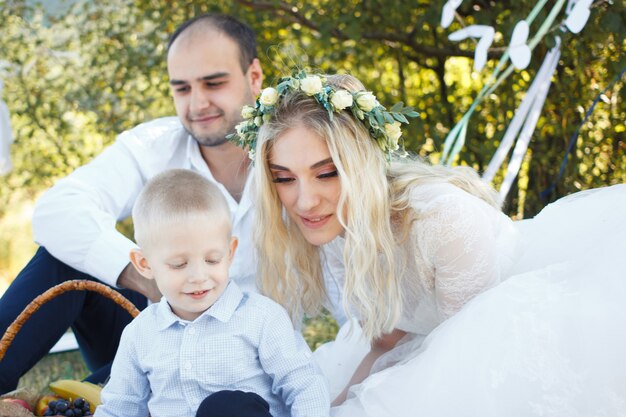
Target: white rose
[[394, 132], [258, 121], [269, 96], [239, 128], [311, 85], [341, 99], [247, 112], [366, 101]]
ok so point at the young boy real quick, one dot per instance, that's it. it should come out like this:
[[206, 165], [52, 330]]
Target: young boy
[[205, 341]]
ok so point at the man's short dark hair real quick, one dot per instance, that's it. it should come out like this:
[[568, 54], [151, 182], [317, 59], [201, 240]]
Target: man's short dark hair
[[239, 32]]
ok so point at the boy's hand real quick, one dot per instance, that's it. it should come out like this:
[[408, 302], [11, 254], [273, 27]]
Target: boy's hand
[[133, 280]]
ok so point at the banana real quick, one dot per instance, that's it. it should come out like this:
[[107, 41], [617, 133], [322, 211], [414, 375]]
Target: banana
[[71, 389]]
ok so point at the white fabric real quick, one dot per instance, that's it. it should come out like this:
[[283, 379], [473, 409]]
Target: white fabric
[[546, 341], [456, 241], [165, 367], [6, 137], [75, 219], [529, 104], [544, 78]]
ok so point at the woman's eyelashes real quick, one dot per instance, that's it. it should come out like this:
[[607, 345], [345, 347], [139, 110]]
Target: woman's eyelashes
[[330, 174], [321, 176], [281, 180]]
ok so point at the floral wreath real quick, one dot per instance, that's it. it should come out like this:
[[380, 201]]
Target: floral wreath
[[383, 125]]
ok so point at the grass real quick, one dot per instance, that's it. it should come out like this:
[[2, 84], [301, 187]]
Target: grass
[[70, 365], [16, 242], [66, 365]]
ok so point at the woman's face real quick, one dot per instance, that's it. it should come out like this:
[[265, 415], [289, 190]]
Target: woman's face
[[307, 183]]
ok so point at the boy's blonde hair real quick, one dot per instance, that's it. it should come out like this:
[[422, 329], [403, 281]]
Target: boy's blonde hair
[[172, 196], [375, 197]]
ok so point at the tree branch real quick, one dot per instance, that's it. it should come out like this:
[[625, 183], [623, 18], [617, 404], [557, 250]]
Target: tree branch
[[292, 15]]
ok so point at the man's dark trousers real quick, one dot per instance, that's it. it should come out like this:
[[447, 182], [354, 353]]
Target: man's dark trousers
[[96, 320]]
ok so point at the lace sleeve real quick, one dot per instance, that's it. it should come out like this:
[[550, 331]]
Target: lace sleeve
[[457, 238]]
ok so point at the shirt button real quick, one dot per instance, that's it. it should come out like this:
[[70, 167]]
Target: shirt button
[[188, 366], [192, 331]]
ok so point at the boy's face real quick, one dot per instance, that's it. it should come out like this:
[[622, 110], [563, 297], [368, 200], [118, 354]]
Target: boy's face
[[189, 260]]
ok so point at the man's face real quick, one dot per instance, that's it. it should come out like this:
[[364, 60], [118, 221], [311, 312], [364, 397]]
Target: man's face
[[209, 85]]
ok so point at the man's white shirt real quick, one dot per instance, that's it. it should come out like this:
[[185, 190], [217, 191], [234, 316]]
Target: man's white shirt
[[75, 219]]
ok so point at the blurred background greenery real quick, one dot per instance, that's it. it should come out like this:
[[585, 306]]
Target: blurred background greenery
[[76, 73]]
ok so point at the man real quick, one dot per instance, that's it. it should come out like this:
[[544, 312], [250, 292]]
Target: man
[[213, 71]]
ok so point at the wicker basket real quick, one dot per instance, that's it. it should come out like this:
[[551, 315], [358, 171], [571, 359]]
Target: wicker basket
[[8, 409], [15, 410]]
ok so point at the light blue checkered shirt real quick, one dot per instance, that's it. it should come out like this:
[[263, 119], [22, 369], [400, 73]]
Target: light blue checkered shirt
[[165, 366]]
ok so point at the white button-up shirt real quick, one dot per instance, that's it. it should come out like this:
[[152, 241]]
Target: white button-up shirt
[[75, 219], [166, 366]]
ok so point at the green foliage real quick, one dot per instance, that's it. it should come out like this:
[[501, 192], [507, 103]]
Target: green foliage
[[319, 330], [53, 367], [383, 124], [75, 79]]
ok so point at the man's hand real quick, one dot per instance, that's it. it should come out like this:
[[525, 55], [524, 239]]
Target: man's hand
[[133, 280]]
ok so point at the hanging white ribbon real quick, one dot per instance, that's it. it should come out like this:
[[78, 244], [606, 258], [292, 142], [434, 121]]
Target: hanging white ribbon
[[455, 139], [482, 32], [6, 137], [447, 13], [530, 108], [518, 51], [520, 115], [577, 15], [529, 112]]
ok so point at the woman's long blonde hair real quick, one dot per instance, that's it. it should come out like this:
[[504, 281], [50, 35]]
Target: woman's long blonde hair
[[375, 197]]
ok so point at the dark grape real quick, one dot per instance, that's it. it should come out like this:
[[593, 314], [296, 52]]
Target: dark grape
[[77, 408], [62, 406]]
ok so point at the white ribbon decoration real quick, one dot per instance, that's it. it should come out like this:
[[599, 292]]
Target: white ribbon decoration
[[530, 108], [531, 114], [485, 33], [519, 51], [518, 119], [6, 137], [578, 15], [447, 13]]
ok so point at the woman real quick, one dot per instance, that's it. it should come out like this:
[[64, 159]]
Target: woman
[[465, 312]]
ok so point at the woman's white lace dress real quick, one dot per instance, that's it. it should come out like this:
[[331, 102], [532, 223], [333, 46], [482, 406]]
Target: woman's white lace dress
[[503, 318]]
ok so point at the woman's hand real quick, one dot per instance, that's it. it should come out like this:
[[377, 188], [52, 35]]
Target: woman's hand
[[341, 397], [379, 346]]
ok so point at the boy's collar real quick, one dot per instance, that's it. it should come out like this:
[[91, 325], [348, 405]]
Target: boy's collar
[[222, 310]]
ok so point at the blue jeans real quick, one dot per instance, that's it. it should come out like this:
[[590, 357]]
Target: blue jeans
[[96, 320]]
